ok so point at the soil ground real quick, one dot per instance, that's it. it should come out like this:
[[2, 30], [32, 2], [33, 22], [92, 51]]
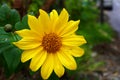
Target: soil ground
[[110, 54]]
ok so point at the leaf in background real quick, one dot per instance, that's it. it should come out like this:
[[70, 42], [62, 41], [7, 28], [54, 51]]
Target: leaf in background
[[8, 37], [10, 53], [4, 46], [14, 17], [4, 37], [22, 24], [12, 57], [8, 16]]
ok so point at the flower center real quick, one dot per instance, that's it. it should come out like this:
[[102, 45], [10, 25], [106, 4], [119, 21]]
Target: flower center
[[51, 43]]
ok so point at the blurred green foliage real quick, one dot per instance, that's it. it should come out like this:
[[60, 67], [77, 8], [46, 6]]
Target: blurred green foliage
[[35, 6], [3, 1], [11, 54]]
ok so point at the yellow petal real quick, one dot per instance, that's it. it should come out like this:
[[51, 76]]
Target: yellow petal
[[69, 28], [26, 33], [38, 60], [75, 51], [73, 40], [45, 21], [58, 68], [63, 19], [26, 44], [67, 60], [28, 54], [35, 25], [64, 16], [47, 67], [53, 18], [53, 15]]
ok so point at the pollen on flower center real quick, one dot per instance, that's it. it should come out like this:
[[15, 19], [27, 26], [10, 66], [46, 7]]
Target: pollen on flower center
[[51, 42]]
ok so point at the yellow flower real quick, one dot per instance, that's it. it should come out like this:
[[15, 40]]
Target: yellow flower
[[51, 43]]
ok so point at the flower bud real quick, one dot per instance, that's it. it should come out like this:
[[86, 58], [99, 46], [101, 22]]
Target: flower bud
[[8, 28]]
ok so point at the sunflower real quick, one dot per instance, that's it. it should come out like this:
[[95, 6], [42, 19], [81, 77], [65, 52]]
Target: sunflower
[[51, 43]]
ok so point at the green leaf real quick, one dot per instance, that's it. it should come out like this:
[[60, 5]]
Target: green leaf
[[22, 24], [14, 17], [8, 37], [8, 16], [12, 57], [10, 53], [4, 46], [4, 37]]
